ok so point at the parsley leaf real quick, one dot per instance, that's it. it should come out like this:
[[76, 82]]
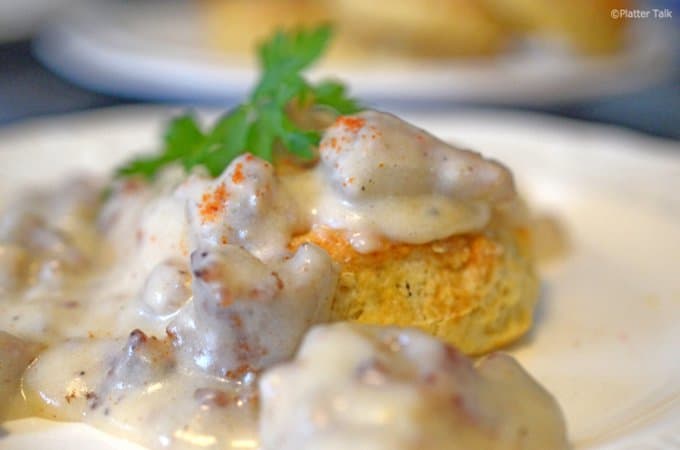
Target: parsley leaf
[[332, 94], [261, 122]]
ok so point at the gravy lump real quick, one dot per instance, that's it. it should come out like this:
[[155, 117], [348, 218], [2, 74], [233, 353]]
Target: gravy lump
[[400, 389], [382, 178], [153, 313], [246, 206]]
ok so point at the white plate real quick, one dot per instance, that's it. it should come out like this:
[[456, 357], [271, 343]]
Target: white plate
[[606, 342], [157, 50]]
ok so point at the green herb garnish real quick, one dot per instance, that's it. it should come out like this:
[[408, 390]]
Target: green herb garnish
[[258, 124]]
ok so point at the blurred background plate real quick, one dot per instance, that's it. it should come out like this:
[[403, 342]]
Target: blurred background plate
[[163, 50], [605, 340], [19, 19]]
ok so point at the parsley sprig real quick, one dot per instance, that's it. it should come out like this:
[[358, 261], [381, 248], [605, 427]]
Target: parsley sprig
[[259, 123]]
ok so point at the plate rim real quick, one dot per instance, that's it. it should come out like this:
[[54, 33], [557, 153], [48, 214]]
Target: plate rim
[[664, 151]]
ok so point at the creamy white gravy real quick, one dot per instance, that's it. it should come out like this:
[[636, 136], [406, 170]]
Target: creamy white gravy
[[154, 311], [400, 389], [381, 178]]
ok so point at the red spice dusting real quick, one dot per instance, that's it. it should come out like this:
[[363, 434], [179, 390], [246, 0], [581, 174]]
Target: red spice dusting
[[375, 131], [212, 203], [334, 144], [238, 177], [350, 180], [249, 157], [224, 240], [353, 124]]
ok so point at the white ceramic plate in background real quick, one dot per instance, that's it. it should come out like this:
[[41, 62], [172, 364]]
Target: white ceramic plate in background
[[158, 50], [20, 19], [606, 341]]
